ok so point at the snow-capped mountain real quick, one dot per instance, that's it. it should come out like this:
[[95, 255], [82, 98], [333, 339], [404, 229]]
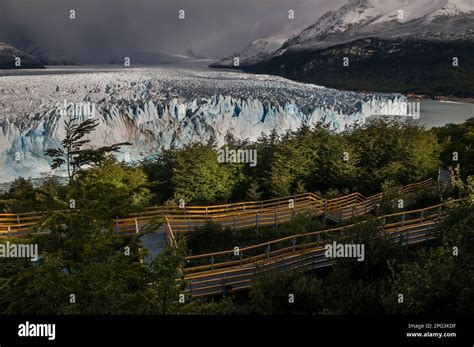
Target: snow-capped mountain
[[427, 19], [167, 106], [405, 46], [259, 50], [8, 55]]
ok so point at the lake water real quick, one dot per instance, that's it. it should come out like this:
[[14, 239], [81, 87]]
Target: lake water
[[435, 113]]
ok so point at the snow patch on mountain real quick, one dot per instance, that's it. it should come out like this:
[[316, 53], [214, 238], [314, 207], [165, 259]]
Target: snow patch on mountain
[[454, 8], [448, 19], [427, 19], [258, 51]]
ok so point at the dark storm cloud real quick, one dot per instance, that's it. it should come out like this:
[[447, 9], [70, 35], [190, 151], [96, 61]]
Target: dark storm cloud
[[104, 28]]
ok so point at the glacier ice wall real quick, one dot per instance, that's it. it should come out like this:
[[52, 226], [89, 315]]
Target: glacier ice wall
[[162, 107]]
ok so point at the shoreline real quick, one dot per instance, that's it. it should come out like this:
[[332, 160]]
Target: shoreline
[[467, 100]]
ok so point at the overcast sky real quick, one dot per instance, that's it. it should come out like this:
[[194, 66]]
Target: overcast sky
[[104, 28]]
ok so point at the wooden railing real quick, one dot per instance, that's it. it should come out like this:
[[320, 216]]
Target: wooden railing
[[242, 216], [338, 209], [18, 224], [234, 270], [236, 216]]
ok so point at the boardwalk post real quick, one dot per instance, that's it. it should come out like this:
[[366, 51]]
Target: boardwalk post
[[212, 262], [18, 218], [431, 230], [9, 231], [403, 219], [268, 251], [235, 227], [256, 222], [276, 219], [325, 211], [294, 243], [189, 224], [136, 226]]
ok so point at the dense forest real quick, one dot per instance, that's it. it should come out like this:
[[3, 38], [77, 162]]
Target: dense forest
[[85, 268]]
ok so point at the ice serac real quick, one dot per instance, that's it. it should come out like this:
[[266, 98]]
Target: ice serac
[[162, 107]]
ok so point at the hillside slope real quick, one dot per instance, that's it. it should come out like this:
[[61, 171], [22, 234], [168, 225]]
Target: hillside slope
[[391, 46], [8, 55]]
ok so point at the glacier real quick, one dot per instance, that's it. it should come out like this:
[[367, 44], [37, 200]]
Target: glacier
[[155, 107]]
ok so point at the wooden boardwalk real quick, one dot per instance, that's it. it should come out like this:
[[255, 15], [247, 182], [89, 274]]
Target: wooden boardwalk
[[228, 271], [236, 216]]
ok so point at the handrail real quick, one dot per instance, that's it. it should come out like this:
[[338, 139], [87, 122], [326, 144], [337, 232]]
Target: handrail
[[228, 280], [315, 233], [259, 202], [265, 208], [235, 275], [347, 207]]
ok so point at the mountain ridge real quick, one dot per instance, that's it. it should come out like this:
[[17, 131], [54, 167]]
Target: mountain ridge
[[445, 17], [439, 32], [257, 51], [8, 55]]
